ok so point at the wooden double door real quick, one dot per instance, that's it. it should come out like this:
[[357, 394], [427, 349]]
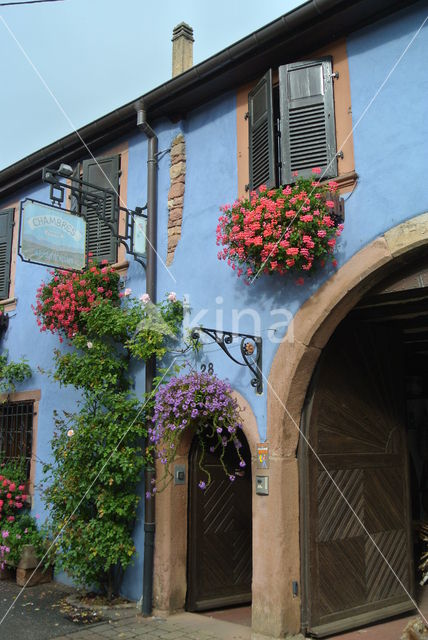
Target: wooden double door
[[220, 530], [356, 541]]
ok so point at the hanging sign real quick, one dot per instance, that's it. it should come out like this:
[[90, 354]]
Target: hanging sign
[[51, 236], [139, 229]]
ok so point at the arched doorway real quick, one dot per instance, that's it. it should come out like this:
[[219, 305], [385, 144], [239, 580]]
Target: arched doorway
[[220, 528], [288, 383], [357, 543]]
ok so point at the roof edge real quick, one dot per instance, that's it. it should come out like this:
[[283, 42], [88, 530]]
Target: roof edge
[[198, 83]]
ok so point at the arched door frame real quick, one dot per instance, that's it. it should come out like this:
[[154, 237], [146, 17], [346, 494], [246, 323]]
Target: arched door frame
[[170, 561], [276, 599]]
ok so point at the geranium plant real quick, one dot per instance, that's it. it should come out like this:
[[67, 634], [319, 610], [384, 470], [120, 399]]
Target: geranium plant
[[22, 531], [201, 402], [62, 302], [12, 498], [291, 228]]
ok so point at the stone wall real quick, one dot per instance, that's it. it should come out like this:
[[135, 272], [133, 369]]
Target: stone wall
[[177, 174]]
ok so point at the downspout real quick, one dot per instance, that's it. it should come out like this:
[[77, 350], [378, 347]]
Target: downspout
[[151, 243]]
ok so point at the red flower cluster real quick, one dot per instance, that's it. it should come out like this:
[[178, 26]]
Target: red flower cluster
[[12, 498], [61, 301], [289, 228]]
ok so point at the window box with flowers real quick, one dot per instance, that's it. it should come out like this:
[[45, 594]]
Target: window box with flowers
[[291, 229]]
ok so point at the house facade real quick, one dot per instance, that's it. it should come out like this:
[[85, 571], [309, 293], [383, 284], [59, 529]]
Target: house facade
[[328, 543]]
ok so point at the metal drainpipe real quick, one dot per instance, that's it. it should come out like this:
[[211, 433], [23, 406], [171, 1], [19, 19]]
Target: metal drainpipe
[[149, 474]]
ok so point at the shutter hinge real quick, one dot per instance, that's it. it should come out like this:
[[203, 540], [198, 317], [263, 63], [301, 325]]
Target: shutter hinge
[[339, 154], [247, 187], [335, 75], [247, 115]]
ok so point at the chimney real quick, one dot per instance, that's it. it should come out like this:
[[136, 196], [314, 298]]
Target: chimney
[[182, 48]]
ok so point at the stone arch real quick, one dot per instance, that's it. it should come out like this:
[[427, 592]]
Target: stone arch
[[170, 562], [276, 606]]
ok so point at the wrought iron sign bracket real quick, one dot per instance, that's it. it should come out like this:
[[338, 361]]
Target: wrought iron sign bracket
[[99, 199], [250, 350]]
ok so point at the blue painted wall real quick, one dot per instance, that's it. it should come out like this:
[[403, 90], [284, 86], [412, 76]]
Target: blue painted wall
[[391, 130]]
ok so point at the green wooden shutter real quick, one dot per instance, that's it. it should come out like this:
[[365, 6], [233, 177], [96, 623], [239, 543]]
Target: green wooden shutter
[[6, 232], [100, 240], [261, 133], [308, 137]]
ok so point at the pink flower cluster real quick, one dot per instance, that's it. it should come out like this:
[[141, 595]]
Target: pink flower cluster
[[61, 301], [12, 498], [275, 231]]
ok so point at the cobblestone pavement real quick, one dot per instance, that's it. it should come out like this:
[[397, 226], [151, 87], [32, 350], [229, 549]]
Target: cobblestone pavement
[[183, 626]]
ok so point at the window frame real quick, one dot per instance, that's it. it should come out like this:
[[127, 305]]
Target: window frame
[[274, 113], [346, 174], [33, 396]]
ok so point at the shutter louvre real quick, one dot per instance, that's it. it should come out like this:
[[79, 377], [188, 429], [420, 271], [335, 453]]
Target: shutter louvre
[[6, 233], [261, 133], [100, 240], [308, 136]]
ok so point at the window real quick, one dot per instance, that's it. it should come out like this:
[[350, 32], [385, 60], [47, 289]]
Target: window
[[16, 431], [291, 126], [6, 233], [100, 239]]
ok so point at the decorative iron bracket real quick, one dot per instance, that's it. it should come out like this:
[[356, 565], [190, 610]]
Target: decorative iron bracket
[[100, 200], [250, 348]]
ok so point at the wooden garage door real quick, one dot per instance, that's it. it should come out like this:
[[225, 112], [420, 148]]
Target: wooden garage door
[[355, 422], [220, 531]]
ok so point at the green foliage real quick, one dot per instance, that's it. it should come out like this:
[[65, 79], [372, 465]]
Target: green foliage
[[14, 470], [98, 453], [91, 489], [12, 373], [156, 324]]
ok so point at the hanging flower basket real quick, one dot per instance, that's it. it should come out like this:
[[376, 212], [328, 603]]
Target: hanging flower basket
[[201, 402], [289, 229]]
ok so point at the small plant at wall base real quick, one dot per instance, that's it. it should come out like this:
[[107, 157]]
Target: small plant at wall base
[[286, 230], [203, 403], [18, 527], [97, 450]]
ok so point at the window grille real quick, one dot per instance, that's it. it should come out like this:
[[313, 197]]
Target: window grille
[[16, 431]]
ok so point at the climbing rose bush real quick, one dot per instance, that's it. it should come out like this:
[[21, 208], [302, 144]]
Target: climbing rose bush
[[198, 401], [292, 228]]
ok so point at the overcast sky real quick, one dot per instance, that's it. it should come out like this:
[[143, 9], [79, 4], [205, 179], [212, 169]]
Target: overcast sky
[[96, 55]]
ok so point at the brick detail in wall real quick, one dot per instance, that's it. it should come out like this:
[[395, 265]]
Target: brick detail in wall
[[177, 174]]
